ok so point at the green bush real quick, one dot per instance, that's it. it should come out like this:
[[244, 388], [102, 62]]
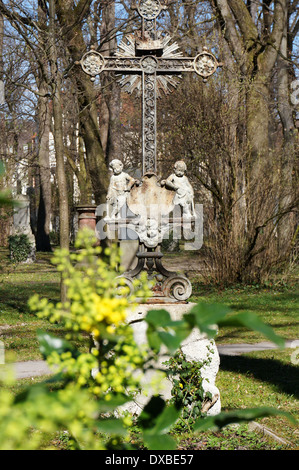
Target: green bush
[[187, 390], [19, 247]]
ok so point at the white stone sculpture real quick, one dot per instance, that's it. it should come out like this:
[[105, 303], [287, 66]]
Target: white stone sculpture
[[21, 223], [184, 195], [119, 188]]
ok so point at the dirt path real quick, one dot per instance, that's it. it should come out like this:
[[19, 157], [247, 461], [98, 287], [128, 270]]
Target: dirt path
[[186, 262]]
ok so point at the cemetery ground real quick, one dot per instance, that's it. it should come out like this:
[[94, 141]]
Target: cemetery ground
[[261, 378]]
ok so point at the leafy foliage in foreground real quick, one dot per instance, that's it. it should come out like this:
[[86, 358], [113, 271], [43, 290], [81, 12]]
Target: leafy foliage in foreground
[[94, 385]]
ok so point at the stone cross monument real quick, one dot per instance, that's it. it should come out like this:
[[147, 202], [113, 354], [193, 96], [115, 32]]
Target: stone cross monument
[[151, 63]]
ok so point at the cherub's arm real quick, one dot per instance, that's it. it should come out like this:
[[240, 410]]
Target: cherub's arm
[[129, 182], [169, 183]]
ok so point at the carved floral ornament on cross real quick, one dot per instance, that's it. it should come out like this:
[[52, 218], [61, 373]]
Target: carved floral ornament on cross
[[149, 9], [204, 64], [93, 62]]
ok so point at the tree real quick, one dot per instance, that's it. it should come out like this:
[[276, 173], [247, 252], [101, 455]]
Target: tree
[[257, 49], [109, 106], [246, 200], [43, 124], [256, 54], [285, 75], [36, 36], [58, 131], [70, 15]]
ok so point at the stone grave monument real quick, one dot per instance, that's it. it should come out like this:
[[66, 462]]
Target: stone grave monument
[[21, 223], [150, 62]]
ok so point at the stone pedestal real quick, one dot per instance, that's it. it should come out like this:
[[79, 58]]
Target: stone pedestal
[[197, 347], [129, 249]]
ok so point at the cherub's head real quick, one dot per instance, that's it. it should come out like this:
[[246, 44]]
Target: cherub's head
[[180, 168], [116, 166]]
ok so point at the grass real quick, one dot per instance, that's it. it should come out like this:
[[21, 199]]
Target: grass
[[18, 325], [265, 378], [277, 306], [17, 283], [230, 438]]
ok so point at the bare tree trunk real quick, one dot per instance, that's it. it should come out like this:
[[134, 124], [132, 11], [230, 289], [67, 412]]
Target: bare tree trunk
[[5, 218], [44, 119], [114, 140], [70, 18], [1, 55], [45, 203], [286, 227], [110, 102], [256, 62], [84, 181], [58, 140]]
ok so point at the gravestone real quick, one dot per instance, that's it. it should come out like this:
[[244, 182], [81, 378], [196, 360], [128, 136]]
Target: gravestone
[[151, 63], [21, 223]]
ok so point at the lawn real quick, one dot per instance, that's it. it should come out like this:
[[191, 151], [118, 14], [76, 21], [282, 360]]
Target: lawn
[[268, 378], [277, 306], [17, 283], [264, 378]]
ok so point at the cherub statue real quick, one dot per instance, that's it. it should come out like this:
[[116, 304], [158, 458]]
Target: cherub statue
[[119, 187], [184, 192]]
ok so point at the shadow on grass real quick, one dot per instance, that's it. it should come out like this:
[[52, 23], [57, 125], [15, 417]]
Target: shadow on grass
[[283, 376], [287, 330], [14, 299], [274, 303]]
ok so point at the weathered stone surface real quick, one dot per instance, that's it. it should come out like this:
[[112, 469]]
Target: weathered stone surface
[[21, 223], [197, 347], [184, 194], [128, 249], [119, 188]]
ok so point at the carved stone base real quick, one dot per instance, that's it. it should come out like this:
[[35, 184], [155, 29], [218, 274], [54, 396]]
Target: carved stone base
[[168, 286], [197, 347]]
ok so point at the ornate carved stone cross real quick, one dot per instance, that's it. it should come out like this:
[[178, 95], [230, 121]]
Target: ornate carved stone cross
[[151, 64]]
